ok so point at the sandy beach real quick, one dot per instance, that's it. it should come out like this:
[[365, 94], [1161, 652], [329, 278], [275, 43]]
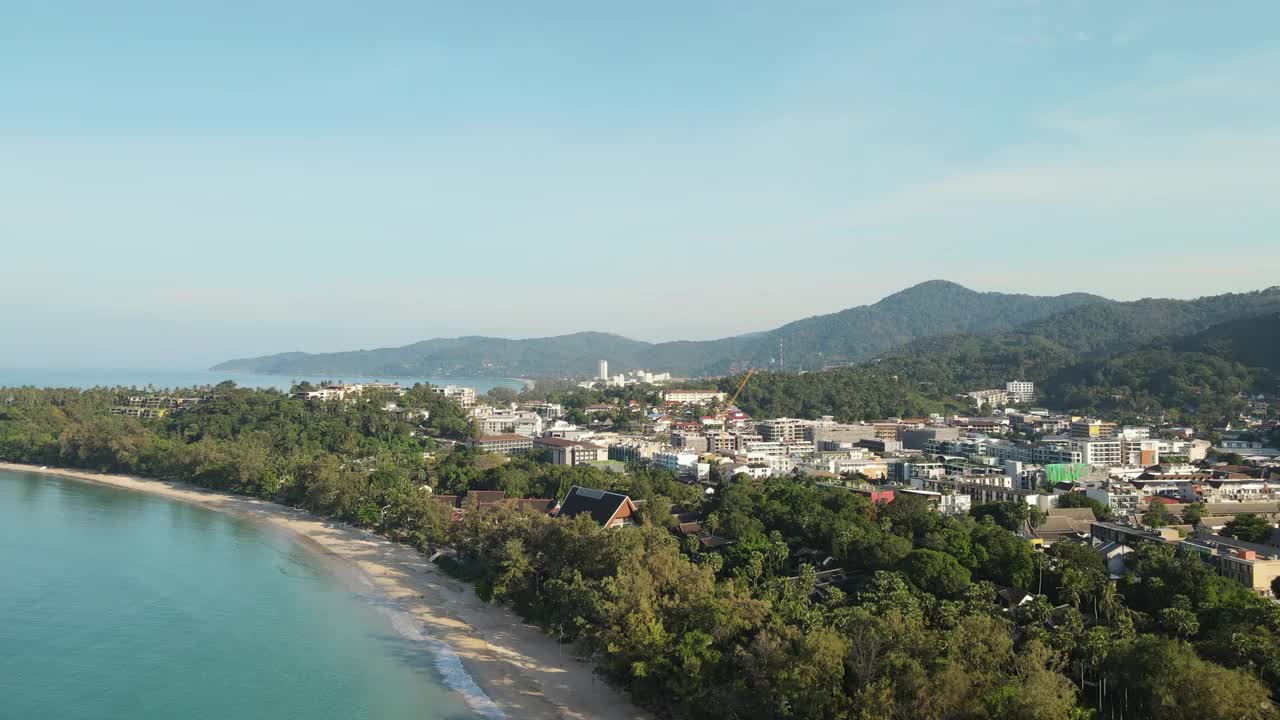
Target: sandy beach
[[526, 673]]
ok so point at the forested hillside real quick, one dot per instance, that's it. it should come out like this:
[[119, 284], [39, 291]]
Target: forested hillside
[[931, 308], [848, 394], [1192, 379]]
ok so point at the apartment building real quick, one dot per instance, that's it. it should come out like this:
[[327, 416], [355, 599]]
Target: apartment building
[[570, 452], [984, 489], [506, 444], [1123, 499], [915, 439], [142, 413], [549, 411], [323, 394], [783, 430], [528, 424], [942, 502], [684, 464], [992, 398], [1090, 429], [1100, 452], [634, 450], [1020, 391], [464, 396], [694, 397], [835, 436]]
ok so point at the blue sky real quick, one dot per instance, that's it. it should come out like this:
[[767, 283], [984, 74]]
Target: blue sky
[[186, 182]]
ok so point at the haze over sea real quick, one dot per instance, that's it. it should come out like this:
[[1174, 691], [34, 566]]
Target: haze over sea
[[170, 378], [122, 606]]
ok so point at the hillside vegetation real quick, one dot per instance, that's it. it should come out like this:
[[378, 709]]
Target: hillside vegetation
[[931, 308], [1193, 379]]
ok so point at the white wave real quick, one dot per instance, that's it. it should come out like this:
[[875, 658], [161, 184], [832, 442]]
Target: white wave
[[447, 662]]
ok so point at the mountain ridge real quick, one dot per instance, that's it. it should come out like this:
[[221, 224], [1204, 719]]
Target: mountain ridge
[[926, 309], [926, 324]]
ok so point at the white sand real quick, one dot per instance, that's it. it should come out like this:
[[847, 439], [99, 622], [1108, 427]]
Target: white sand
[[526, 673]]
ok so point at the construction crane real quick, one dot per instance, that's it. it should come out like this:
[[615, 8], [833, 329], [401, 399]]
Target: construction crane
[[723, 415], [741, 385]]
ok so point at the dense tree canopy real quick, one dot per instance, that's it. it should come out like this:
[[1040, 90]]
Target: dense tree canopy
[[1249, 527]]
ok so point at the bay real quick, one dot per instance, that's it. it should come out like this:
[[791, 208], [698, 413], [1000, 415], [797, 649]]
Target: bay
[[116, 605]]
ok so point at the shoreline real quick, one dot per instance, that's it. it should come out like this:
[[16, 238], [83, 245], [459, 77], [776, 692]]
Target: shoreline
[[524, 672]]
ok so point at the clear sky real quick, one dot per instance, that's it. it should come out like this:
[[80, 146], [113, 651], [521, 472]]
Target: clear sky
[[184, 182]]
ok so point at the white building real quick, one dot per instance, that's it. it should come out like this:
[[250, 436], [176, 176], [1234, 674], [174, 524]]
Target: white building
[[529, 424], [603, 371], [990, 398], [696, 397], [342, 392], [1132, 432], [684, 464], [1020, 391], [1100, 452], [464, 396], [1123, 499]]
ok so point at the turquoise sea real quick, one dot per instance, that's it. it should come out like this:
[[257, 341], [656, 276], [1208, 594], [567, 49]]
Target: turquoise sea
[[120, 606], [168, 378]]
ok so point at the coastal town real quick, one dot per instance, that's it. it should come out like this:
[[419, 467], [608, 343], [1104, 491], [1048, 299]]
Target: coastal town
[[1105, 554], [455, 361], [1079, 479]]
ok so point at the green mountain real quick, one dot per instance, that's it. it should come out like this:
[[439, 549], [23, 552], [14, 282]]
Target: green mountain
[[1041, 349], [931, 308], [1252, 341], [1194, 378]]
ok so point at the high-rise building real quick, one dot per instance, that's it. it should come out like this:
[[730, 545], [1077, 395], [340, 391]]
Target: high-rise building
[[603, 374]]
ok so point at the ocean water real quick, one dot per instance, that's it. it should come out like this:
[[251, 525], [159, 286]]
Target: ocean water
[[141, 378], [120, 606]]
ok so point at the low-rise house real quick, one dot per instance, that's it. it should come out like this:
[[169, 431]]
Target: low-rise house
[[607, 509]]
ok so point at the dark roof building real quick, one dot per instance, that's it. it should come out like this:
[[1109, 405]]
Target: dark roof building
[[608, 509]]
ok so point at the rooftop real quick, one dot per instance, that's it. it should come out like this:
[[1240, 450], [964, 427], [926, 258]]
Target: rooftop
[[561, 442], [502, 437], [601, 505]]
